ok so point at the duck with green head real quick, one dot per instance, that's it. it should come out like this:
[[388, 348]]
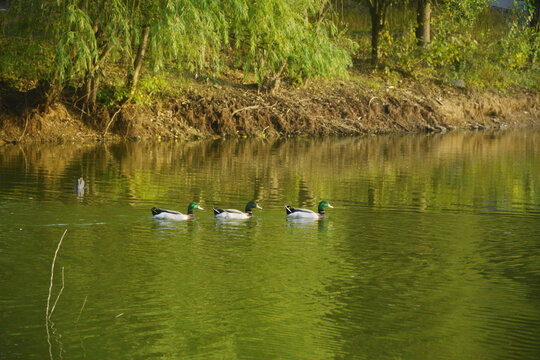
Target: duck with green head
[[237, 214], [296, 213], [163, 214]]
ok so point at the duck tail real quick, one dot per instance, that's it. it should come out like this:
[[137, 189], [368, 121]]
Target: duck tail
[[217, 211], [289, 209], [155, 211]]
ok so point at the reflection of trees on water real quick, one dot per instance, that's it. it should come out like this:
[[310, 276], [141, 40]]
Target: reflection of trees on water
[[420, 171], [349, 275]]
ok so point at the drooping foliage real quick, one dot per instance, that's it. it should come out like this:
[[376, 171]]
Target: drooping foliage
[[101, 48], [264, 38], [273, 35]]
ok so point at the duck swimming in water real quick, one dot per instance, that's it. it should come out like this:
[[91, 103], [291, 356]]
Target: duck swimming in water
[[163, 214], [296, 213], [237, 214]]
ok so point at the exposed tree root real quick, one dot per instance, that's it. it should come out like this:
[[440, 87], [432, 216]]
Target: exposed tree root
[[322, 108]]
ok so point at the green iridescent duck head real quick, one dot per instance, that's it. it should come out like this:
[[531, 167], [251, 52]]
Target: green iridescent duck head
[[322, 205], [193, 206], [252, 205]]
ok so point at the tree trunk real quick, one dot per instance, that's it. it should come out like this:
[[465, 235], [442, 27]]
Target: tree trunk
[[536, 16], [376, 26], [423, 20], [139, 58], [87, 90], [93, 92]]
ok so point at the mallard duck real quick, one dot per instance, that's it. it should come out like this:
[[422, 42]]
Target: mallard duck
[[163, 214], [236, 214], [295, 213]]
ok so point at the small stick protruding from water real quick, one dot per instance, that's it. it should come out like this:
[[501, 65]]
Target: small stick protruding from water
[[58, 296], [47, 313]]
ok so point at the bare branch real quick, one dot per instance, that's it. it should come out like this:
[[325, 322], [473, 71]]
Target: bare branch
[[47, 313]]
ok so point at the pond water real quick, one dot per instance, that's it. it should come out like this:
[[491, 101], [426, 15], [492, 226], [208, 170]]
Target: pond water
[[432, 249]]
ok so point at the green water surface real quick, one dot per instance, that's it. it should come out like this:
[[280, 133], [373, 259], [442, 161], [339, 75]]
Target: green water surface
[[432, 249]]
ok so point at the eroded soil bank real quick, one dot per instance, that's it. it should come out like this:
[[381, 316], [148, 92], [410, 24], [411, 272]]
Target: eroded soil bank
[[228, 109]]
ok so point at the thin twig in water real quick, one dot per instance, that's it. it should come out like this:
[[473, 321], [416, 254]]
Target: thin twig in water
[[47, 314], [49, 338], [59, 293]]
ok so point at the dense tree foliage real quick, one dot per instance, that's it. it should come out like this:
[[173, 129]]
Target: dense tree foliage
[[264, 38], [103, 50]]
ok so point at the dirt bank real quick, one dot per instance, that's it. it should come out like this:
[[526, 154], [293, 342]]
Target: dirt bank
[[229, 109]]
